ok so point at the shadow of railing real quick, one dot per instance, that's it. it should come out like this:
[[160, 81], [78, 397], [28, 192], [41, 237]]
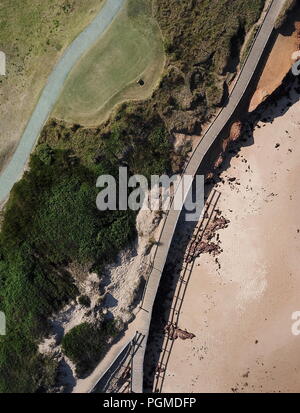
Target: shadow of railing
[[180, 291], [118, 378]]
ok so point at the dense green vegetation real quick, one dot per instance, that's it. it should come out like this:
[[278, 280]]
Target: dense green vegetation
[[85, 344], [30, 290], [51, 219]]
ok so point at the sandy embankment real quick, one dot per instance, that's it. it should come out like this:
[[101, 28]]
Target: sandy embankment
[[278, 63], [112, 295]]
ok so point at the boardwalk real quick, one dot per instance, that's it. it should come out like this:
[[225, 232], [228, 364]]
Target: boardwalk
[[171, 220]]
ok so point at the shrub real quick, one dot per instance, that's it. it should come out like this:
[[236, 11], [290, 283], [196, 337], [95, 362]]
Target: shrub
[[84, 300], [86, 344]]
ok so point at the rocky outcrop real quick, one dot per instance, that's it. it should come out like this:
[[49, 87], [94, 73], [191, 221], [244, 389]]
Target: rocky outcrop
[[174, 332], [235, 131]]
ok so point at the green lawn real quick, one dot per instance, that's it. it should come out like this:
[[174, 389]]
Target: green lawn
[[33, 35], [131, 49]]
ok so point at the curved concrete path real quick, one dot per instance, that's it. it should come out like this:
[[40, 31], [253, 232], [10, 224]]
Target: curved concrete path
[[171, 221], [85, 40]]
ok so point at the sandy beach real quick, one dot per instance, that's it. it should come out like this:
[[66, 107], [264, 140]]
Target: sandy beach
[[239, 306]]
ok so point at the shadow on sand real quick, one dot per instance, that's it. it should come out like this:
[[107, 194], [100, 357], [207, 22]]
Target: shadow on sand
[[274, 106]]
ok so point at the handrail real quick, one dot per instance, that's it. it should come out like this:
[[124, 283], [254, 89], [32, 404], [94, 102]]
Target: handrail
[[217, 116]]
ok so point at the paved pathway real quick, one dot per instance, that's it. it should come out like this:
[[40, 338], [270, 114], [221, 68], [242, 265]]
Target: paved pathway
[[14, 170]]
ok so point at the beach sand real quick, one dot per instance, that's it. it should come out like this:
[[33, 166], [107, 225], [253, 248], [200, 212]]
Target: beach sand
[[241, 309]]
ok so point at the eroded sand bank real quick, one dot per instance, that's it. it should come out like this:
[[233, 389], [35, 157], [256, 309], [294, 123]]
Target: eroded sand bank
[[279, 60]]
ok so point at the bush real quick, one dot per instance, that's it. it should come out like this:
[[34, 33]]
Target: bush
[[45, 153], [84, 300], [86, 344]]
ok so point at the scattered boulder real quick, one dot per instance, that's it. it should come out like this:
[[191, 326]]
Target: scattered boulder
[[174, 332]]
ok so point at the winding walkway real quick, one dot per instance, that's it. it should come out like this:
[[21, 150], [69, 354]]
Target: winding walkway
[[211, 134], [85, 40]]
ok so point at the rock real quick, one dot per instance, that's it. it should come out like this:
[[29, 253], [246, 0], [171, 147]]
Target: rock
[[219, 161], [235, 131], [209, 176]]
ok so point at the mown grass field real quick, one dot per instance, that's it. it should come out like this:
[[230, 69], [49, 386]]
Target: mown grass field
[[33, 34], [131, 49]]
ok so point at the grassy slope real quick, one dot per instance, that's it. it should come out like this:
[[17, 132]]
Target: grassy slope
[[59, 191], [132, 48], [33, 34], [202, 39]]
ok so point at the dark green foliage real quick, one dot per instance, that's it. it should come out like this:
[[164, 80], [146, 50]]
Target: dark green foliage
[[52, 220], [30, 291], [86, 344], [84, 300]]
